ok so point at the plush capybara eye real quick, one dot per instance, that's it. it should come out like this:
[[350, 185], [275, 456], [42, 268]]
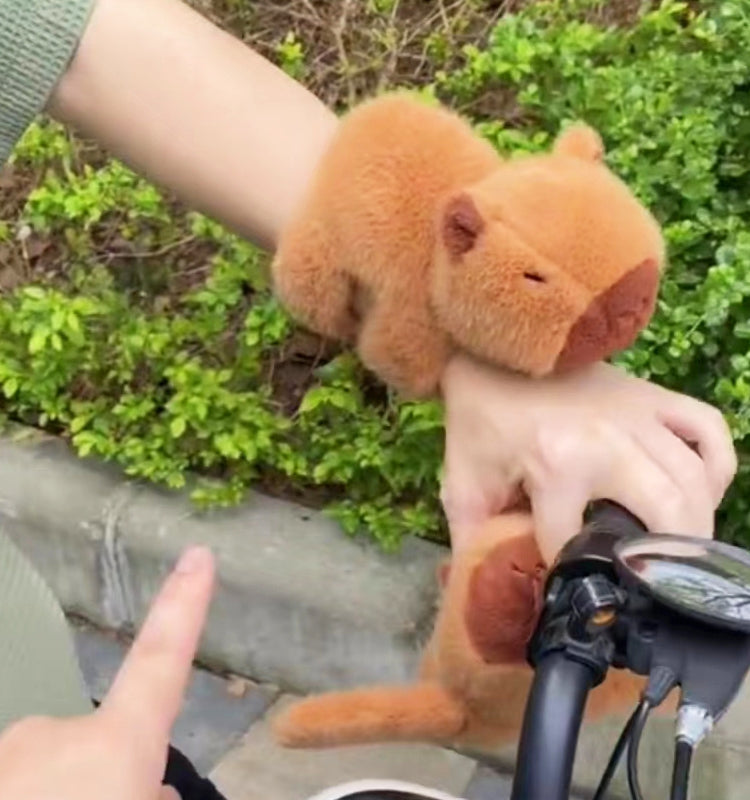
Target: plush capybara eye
[[534, 277]]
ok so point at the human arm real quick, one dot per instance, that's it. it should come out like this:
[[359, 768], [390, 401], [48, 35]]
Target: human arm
[[195, 110], [179, 100], [562, 442], [119, 751]]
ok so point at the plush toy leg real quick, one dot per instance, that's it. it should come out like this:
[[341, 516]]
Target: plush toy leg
[[423, 712], [406, 351], [307, 284]]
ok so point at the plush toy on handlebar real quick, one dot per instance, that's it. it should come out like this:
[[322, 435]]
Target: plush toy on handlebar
[[417, 240], [474, 680]]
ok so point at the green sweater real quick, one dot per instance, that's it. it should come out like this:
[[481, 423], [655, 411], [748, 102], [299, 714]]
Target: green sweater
[[39, 673], [37, 40]]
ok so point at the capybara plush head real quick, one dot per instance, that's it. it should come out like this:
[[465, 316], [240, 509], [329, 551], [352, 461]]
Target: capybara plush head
[[549, 263]]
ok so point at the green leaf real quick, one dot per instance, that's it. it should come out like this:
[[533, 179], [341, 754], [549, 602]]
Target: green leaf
[[38, 340], [10, 387], [177, 427]]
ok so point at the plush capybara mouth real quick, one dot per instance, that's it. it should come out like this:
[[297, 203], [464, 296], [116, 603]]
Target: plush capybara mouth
[[613, 320]]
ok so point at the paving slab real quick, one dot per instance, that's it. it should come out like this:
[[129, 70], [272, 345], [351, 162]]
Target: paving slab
[[258, 769], [487, 784], [215, 714]]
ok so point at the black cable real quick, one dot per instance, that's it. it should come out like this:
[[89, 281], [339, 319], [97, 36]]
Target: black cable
[[683, 755], [617, 754], [635, 741]]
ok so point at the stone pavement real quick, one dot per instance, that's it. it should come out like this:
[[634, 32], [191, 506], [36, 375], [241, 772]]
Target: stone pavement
[[224, 730]]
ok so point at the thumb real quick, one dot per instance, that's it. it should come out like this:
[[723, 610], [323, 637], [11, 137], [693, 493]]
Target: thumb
[[169, 793], [558, 511], [468, 506], [147, 693]]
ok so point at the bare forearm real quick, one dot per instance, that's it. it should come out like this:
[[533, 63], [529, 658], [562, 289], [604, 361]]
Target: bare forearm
[[196, 111]]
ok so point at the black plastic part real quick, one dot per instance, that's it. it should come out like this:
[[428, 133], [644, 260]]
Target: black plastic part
[[182, 776], [384, 794], [554, 711], [710, 664], [559, 635], [661, 681]]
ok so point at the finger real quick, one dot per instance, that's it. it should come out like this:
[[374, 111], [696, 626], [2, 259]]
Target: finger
[[705, 427], [600, 461], [639, 483], [169, 793], [685, 468], [466, 503], [147, 693]]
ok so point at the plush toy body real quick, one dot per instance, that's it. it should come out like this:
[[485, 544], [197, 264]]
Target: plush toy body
[[474, 682], [416, 239]]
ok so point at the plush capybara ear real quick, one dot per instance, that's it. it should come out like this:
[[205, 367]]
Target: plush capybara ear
[[462, 224], [579, 141]]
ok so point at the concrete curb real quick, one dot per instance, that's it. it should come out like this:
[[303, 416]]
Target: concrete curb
[[298, 604]]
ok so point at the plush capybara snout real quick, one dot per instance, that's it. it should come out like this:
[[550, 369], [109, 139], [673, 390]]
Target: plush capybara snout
[[613, 320]]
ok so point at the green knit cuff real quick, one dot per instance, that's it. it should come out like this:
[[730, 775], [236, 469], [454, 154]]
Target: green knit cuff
[[37, 41]]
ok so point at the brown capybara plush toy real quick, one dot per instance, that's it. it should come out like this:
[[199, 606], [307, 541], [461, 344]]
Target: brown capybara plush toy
[[474, 681], [416, 239]]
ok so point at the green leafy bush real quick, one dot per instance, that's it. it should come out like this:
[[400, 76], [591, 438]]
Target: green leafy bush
[[187, 395], [147, 335]]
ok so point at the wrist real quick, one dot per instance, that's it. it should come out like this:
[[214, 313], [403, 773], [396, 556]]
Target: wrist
[[464, 374], [458, 371]]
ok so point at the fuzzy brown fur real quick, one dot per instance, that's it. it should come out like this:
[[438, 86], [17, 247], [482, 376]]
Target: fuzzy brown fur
[[417, 239], [473, 682]]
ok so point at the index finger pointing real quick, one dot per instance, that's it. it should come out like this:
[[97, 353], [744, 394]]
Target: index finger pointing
[[147, 693]]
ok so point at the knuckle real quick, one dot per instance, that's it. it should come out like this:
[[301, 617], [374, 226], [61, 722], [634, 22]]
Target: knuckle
[[571, 450], [694, 473], [457, 503], [672, 504], [553, 447], [451, 494], [715, 417], [716, 420]]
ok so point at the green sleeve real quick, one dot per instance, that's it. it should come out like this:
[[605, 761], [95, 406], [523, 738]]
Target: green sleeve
[[37, 41]]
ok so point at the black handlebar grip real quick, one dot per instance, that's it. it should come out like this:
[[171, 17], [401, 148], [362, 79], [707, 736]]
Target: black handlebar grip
[[604, 524], [606, 514]]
